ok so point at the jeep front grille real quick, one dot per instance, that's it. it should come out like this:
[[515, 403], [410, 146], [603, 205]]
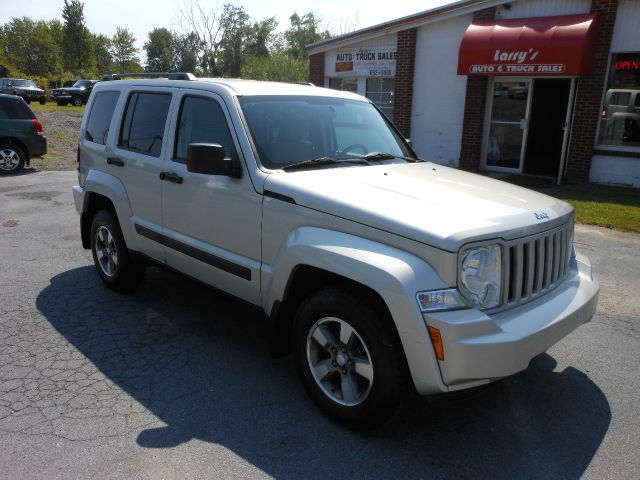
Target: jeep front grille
[[534, 265]]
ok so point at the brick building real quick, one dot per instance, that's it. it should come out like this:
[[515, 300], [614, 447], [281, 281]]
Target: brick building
[[540, 87]]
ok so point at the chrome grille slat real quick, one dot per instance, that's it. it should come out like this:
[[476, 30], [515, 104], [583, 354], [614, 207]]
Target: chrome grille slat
[[539, 264], [534, 265], [516, 284], [529, 255]]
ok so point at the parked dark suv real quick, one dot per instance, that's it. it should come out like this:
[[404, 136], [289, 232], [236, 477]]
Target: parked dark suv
[[27, 89], [76, 95], [21, 134]]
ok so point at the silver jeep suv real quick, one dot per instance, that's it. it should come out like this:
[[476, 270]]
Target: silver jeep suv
[[381, 273]]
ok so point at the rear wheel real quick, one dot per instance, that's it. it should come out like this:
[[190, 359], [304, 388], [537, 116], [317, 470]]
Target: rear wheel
[[12, 158], [76, 101], [42, 100], [61, 103], [115, 265], [349, 357]]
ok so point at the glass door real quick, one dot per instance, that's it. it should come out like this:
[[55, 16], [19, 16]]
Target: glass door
[[507, 130]]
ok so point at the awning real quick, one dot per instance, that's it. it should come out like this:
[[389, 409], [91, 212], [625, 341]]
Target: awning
[[529, 46]]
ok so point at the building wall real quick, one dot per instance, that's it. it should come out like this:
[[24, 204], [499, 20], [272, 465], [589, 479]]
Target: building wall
[[438, 92], [543, 8], [607, 167]]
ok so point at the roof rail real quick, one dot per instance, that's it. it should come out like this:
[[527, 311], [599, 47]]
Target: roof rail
[[168, 76]]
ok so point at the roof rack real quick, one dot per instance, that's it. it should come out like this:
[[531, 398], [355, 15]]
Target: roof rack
[[164, 75]]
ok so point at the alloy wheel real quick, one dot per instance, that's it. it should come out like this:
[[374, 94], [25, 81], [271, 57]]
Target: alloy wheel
[[339, 361]]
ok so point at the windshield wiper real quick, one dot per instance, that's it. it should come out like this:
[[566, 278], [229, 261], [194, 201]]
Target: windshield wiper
[[389, 156], [323, 161]]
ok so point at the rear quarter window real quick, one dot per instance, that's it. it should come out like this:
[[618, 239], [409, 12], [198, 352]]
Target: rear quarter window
[[100, 117], [14, 109]]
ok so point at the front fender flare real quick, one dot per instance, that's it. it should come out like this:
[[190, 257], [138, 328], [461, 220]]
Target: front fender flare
[[394, 274]]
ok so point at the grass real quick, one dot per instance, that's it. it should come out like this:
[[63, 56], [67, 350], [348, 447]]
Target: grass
[[53, 107], [601, 205]]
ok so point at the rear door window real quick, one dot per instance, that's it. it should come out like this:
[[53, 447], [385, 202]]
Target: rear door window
[[144, 121], [15, 109], [100, 117]]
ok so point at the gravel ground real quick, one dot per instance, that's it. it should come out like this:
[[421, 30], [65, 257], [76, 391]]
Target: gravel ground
[[61, 129]]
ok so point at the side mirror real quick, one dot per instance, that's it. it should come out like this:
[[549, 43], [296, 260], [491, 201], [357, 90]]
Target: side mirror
[[408, 140], [209, 158]]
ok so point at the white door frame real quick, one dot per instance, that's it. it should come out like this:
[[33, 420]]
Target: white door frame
[[567, 130], [524, 124]]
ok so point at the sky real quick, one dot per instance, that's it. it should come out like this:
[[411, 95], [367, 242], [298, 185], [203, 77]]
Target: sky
[[141, 16]]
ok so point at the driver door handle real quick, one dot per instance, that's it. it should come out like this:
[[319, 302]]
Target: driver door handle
[[171, 177]]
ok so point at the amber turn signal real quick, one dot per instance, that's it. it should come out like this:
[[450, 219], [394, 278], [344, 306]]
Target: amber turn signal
[[436, 341]]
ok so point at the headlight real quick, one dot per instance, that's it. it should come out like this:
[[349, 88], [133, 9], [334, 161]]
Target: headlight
[[439, 300], [481, 275]]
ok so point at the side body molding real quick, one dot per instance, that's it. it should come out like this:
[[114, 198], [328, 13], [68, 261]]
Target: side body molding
[[112, 188], [394, 274]]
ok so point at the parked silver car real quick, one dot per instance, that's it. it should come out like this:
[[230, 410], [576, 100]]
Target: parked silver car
[[381, 272]]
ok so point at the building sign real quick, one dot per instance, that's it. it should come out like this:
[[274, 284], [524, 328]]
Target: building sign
[[541, 46], [365, 62], [514, 62]]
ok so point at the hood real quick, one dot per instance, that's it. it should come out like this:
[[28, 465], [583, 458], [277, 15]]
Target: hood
[[426, 202], [29, 89]]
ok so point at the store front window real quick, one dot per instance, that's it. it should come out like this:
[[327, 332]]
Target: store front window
[[345, 84], [620, 119], [381, 92]]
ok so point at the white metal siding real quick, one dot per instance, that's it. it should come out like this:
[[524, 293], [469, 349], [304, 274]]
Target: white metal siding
[[543, 8], [383, 41], [438, 92], [626, 34], [615, 170]]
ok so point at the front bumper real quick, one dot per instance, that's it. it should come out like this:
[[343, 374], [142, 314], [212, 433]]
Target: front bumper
[[479, 348], [78, 198]]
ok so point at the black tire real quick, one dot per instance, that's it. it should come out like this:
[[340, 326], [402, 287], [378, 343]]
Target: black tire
[[381, 397], [8, 155], [28, 100], [127, 273], [61, 103], [76, 101], [42, 100]]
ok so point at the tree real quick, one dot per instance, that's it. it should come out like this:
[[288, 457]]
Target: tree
[[123, 50], [160, 49], [276, 67], [102, 49], [186, 52], [29, 48], [303, 31], [261, 38], [77, 50], [235, 27], [196, 19]]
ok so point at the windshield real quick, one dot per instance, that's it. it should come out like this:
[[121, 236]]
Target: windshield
[[24, 83], [291, 129], [81, 83]]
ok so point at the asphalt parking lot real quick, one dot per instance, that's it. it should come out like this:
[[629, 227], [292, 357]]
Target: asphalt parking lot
[[175, 381]]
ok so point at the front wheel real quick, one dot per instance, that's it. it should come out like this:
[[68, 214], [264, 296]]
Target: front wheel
[[12, 158], [115, 265], [349, 357], [42, 100]]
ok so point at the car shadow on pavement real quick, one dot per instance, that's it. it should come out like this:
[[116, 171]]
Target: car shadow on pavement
[[197, 364]]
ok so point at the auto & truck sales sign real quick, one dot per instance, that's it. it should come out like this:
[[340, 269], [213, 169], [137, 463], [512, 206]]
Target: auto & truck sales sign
[[365, 62]]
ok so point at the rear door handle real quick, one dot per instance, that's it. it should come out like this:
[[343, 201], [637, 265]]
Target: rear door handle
[[170, 177], [115, 161]]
